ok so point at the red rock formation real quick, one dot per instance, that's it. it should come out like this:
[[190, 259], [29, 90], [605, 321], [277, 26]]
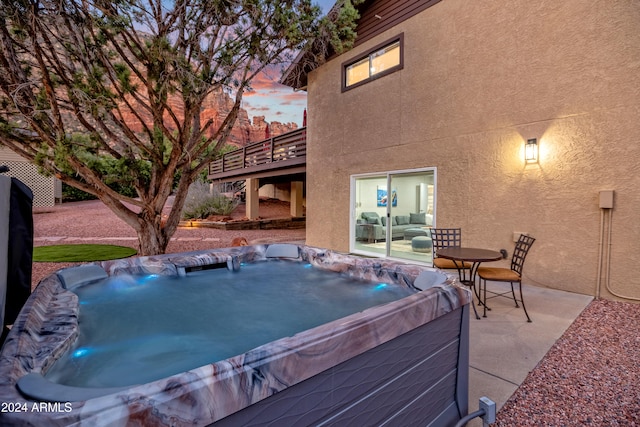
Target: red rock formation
[[216, 108], [258, 129]]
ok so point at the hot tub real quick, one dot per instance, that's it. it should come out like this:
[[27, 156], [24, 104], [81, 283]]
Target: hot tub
[[403, 362]]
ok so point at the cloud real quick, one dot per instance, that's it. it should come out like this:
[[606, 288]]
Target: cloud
[[257, 109], [271, 99]]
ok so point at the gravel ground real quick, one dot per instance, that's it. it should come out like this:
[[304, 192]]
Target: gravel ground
[[92, 222], [589, 377]]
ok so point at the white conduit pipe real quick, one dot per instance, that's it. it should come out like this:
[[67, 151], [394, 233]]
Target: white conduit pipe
[[608, 269]]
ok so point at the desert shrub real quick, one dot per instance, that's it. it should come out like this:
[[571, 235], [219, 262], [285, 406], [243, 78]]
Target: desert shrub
[[72, 194], [201, 203]]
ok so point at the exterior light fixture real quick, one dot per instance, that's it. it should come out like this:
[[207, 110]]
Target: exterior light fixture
[[531, 151]]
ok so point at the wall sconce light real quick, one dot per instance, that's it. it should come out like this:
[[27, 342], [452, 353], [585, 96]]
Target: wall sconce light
[[531, 151]]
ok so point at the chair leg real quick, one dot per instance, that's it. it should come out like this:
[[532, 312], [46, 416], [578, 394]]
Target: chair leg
[[473, 304], [514, 295], [472, 287], [523, 306], [484, 297]]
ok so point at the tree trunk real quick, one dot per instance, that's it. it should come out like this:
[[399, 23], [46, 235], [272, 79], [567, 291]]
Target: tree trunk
[[152, 236]]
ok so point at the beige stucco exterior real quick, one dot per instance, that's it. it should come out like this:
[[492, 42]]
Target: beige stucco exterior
[[479, 79]]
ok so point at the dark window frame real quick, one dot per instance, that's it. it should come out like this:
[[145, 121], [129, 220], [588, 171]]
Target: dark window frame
[[397, 39]]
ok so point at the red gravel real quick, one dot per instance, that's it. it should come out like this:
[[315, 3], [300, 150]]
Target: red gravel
[[589, 377]]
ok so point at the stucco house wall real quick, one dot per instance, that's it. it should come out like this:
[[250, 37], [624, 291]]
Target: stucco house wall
[[479, 79]]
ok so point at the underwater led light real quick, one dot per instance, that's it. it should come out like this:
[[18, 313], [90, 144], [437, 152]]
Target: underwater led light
[[148, 278], [81, 352]]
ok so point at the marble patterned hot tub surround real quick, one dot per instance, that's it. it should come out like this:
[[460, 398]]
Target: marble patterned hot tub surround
[[48, 326]]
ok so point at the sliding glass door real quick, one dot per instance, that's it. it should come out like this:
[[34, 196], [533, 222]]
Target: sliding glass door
[[392, 213]]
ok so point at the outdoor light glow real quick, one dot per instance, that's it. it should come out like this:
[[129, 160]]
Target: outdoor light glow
[[531, 151]]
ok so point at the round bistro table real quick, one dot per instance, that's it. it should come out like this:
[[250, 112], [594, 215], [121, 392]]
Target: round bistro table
[[475, 256]]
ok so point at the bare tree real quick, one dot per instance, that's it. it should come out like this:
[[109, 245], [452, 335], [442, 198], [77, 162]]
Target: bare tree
[[97, 91]]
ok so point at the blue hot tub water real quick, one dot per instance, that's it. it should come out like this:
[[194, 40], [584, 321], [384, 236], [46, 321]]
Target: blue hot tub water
[[137, 329]]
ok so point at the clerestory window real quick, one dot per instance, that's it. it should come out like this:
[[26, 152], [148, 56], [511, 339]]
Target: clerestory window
[[382, 60]]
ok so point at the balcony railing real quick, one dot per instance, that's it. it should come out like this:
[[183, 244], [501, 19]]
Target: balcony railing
[[288, 149]]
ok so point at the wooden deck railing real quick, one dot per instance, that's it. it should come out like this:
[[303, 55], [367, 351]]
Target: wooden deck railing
[[290, 147]]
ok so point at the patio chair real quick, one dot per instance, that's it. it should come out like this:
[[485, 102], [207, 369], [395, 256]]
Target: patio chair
[[447, 237], [512, 275], [442, 238]]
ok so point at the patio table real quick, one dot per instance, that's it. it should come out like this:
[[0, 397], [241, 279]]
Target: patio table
[[459, 255]]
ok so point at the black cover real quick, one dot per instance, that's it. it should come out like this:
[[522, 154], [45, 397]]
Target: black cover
[[20, 249]]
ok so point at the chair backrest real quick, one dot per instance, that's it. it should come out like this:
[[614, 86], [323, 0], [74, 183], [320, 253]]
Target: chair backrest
[[520, 253], [445, 237]]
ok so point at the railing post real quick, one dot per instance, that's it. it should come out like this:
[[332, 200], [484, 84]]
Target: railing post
[[271, 142], [296, 139]]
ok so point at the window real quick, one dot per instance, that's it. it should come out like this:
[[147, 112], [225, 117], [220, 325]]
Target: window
[[389, 209], [380, 61]]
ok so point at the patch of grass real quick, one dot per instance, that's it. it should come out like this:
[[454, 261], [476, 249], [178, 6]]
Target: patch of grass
[[80, 253]]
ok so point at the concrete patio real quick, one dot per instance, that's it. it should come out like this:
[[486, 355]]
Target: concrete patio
[[504, 347]]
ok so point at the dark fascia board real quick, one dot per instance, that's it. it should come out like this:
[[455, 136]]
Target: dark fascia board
[[283, 167]]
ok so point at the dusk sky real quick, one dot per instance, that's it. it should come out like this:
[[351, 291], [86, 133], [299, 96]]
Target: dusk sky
[[274, 101]]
